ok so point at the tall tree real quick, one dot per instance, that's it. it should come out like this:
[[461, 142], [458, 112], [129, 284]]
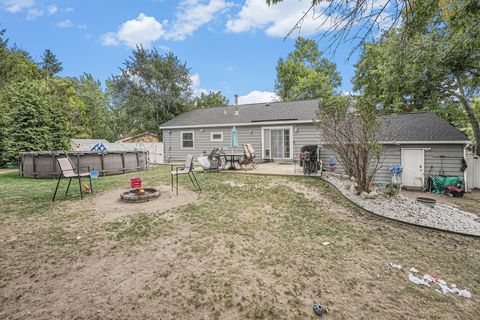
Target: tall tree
[[152, 88], [97, 116], [15, 64], [305, 74], [359, 21], [50, 64], [211, 99], [34, 124], [435, 69]]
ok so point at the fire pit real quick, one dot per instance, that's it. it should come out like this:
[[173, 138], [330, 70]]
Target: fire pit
[[140, 195]]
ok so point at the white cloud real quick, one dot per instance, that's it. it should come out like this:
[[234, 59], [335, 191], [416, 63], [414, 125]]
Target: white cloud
[[258, 97], [15, 6], [192, 14], [52, 9], [143, 30], [279, 19], [34, 13], [197, 90], [65, 24]]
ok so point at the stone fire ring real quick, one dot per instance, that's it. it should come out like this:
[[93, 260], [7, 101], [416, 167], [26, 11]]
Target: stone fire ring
[[133, 196]]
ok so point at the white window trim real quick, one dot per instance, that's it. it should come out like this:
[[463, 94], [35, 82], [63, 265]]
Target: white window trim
[[277, 128], [193, 140], [216, 140]]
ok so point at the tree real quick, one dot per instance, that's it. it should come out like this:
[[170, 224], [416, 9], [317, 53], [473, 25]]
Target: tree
[[50, 64], [359, 21], [437, 69], [15, 64], [305, 74], [211, 99], [152, 88], [349, 128], [96, 117], [34, 124]]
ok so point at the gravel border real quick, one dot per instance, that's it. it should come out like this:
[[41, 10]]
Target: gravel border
[[405, 209]]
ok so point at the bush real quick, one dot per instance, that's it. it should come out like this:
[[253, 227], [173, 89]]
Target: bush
[[392, 189]]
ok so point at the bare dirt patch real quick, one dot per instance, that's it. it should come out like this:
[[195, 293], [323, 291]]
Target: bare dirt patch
[[111, 207], [470, 202], [255, 253], [235, 184]]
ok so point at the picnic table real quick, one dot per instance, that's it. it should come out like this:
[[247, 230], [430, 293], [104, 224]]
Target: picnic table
[[232, 157]]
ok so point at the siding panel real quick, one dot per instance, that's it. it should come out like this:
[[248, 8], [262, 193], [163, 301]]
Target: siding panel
[[448, 157]]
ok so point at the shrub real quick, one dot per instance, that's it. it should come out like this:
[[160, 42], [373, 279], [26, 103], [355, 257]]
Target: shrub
[[392, 189]]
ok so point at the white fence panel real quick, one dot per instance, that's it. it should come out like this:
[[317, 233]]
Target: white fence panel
[[154, 149], [473, 171]]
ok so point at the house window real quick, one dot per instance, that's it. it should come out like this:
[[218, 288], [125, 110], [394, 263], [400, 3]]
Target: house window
[[216, 136], [187, 140]]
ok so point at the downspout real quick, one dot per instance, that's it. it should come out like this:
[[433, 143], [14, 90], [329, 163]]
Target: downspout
[[465, 176]]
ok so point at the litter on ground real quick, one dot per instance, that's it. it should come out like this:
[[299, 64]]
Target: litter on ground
[[431, 280], [396, 266]]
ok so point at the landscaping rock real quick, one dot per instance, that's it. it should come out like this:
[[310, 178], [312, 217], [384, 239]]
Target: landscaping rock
[[373, 195], [352, 178], [407, 209], [364, 195]]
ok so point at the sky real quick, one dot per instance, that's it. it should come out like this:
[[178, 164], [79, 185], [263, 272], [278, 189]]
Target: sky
[[230, 46]]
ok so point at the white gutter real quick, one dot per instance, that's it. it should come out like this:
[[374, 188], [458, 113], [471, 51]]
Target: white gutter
[[260, 123]]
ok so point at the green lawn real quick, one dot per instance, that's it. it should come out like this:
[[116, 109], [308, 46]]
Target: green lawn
[[249, 248]]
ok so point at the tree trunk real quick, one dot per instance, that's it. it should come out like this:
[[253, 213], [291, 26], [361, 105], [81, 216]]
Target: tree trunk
[[470, 113]]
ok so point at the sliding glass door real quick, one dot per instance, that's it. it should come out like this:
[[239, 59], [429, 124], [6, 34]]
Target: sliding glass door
[[277, 143]]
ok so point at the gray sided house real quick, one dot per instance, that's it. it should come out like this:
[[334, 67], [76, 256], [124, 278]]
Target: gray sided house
[[422, 142]]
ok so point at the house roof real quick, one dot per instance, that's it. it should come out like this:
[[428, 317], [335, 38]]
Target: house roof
[[403, 127], [303, 110], [136, 136], [88, 141], [418, 126]]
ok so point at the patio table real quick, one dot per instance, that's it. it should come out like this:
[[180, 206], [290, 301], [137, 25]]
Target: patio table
[[232, 157]]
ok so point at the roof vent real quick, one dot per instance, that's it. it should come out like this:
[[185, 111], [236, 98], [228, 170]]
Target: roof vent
[[225, 112], [267, 104], [236, 111]]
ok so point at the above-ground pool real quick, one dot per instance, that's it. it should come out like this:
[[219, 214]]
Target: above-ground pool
[[44, 164]]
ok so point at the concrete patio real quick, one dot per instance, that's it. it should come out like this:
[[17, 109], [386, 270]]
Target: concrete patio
[[274, 168]]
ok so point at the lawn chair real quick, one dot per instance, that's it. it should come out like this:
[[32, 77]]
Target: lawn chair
[[68, 171], [187, 169], [248, 161]]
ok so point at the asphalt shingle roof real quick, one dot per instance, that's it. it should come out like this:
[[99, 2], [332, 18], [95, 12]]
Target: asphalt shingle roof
[[271, 111], [420, 126]]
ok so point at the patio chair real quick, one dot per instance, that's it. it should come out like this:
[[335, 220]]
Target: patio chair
[[249, 158], [68, 171], [187, 169]]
